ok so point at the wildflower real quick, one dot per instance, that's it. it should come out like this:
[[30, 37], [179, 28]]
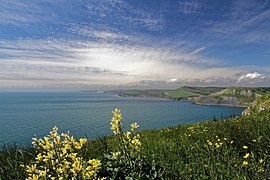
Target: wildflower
[[134, 126], [31, 169], [95, 163], [254, 140], [260, 161], [77, 166], [33, 177], [116, 154], [136, 142], [225, 139], [127, 135], [231, 142], [210, 143], [116, 121], [261, 170], [246, 156], [245, 147], [59, 157], [83, 141], [245, 163]]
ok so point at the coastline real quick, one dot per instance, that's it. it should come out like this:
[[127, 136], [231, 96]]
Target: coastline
[[229, 105], [184, 99]]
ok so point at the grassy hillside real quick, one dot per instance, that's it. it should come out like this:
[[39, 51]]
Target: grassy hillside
[[178, 93], [191, 92], [142, 93], [236, 148], [235, 96]]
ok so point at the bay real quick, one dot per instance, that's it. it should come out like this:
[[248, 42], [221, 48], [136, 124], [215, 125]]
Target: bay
[[23, 114]]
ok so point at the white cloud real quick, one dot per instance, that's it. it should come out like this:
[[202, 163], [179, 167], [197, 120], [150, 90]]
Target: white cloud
[[86, 62], [188, 7], [242, 25], [173, 80], [198, 50], [251, 76]]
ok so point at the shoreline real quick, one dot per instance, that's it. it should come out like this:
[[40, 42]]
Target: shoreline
[[183, 100], [228, 105]]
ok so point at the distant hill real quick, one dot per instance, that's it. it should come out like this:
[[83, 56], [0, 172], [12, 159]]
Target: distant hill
[[231, 96], [185, 91]]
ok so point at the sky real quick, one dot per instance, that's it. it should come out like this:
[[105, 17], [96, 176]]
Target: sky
[[121, 44]]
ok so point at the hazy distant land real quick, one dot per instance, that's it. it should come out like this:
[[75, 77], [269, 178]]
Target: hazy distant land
[[226, 96]]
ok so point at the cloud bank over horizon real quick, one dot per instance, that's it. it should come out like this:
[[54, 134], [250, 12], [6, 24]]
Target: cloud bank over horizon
[[125, 44]]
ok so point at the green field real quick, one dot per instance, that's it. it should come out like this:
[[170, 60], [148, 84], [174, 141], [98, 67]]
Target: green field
[[235, 148], [192, 91]]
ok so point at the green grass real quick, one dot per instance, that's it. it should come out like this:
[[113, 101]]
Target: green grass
[[192, 91], [185, 152], [142, 93]]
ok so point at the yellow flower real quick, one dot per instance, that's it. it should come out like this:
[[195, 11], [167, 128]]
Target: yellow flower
[[95, 164], [245, 163], [231, 142], [247, 155], [127, 135], [83, 141], [116, 154], [134, 126], [260, 161], [217, 145], [39, 157], [59, 158], [261, 170], [33, 177], [116, 121], [136, 142], [254, 140], [77, 166], [77, 145], [245, 147], [31, 169]]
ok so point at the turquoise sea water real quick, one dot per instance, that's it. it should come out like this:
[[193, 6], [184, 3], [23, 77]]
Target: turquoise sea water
[[23, 114]]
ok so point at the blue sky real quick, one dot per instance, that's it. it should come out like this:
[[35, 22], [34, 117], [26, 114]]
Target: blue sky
[[93, 44]]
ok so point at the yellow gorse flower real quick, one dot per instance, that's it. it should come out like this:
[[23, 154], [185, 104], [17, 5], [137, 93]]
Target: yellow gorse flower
[[245, 163]]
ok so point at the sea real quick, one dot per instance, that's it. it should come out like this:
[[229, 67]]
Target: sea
[[88, 114]]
